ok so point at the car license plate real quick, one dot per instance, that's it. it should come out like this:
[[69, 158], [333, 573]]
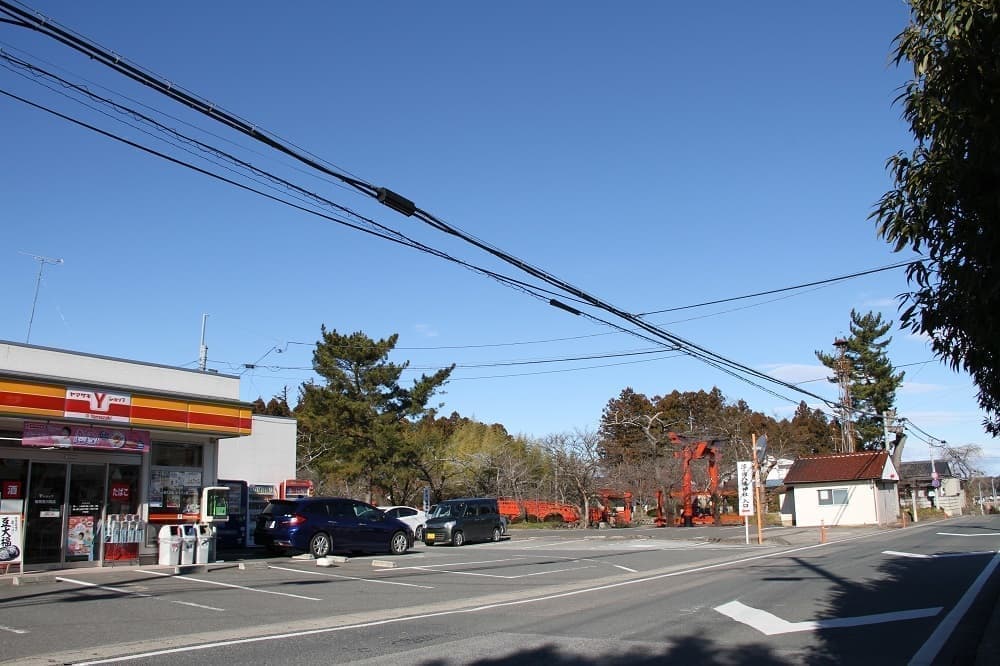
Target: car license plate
[[269, 524]]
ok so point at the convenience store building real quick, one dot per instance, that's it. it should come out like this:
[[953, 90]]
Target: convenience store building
[[96, 453]]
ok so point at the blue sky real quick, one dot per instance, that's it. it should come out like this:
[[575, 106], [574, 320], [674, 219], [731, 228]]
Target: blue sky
[[656, 155]]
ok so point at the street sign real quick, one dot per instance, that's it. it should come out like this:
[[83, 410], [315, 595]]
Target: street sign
[[744, 475]]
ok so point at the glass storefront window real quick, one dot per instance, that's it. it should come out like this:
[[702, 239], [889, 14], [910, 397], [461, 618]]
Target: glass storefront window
[[175, 482], [176, 455]]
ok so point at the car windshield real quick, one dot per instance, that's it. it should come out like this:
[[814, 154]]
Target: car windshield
[[444, 510]]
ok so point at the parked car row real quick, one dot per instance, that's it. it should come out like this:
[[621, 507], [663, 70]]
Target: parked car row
[[324, 525]]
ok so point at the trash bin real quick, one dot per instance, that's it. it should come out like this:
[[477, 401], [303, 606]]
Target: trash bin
[[206, 545], [189, 542], [170, 544]]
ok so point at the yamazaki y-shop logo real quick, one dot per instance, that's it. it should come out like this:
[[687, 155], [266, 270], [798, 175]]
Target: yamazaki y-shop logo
[[98, 405]]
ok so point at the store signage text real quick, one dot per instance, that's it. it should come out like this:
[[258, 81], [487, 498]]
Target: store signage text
[[60, 435], [120, 492], [10, 490], [98, 405]]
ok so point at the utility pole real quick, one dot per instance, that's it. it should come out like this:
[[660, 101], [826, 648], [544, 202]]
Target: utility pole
[[759, 482], [846, 409], [38, 282]]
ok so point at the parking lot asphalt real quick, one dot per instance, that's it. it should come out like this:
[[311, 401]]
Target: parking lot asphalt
[[731, 538], [728, 535]]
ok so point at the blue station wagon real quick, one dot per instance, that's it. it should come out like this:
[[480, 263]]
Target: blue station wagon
[[323, 525]]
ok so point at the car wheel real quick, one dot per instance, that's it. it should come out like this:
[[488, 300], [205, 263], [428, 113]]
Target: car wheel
[[496, 534], [398, 543], [458, 539], [418, 534], [320, 545]]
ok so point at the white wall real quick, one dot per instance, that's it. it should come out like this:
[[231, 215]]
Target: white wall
[[265, 456], [859, 510], [110, 372]]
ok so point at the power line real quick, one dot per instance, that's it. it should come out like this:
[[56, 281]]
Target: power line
[[402, 205], [825, 281]]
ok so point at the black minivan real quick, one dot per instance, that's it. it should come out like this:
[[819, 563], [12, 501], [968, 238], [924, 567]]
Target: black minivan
[[457, 521]]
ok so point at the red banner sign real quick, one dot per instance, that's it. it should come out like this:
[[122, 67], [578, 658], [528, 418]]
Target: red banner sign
[[10, 490], [120, 492]]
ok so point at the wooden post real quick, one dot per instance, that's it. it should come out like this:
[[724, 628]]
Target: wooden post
[[822, 531]]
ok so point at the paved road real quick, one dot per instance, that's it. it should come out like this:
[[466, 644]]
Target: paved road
[[920, 595]]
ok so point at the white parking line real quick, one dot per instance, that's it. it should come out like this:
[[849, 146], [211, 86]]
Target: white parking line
[[123, 591], [921, 556], [550, 543], [995, 534], [456, 564], [366, 580], [237, 587], [13, 630], [486, 575]]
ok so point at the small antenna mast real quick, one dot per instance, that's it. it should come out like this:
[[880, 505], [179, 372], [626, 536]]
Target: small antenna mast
[[38, 283], [202, 349]]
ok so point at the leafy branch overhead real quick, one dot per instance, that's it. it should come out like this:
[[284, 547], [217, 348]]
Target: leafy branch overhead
[[945, 200]]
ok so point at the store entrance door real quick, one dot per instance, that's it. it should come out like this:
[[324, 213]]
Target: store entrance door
[[64, 512], [83, 520], [43, 533]]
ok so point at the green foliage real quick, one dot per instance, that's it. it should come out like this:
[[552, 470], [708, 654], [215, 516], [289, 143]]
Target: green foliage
[[810, 430], [355, 425], [873, 381], [944, 201]]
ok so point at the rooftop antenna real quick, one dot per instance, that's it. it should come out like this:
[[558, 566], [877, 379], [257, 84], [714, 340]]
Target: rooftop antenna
[[202, 349], [38, 282]]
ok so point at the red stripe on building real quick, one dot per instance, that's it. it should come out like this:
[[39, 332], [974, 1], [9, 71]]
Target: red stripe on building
[[31, 401], [158, 414]]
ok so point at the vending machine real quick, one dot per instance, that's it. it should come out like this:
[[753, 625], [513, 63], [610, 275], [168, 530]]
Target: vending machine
[[233, 532], [296, 488], [258, 495]]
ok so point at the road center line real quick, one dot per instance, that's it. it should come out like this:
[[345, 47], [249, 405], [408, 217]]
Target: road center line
[[237, 587], [995, 534]]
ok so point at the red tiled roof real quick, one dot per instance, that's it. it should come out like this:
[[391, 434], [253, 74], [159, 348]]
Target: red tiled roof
[[837, 467]]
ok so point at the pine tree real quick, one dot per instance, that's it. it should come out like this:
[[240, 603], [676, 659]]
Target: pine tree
[[873, 381], [354, 423]]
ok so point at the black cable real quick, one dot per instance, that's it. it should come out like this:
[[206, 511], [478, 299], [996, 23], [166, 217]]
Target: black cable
[[387, 197], [390, 235], [94, 51], [907, 423], [839, 278]]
